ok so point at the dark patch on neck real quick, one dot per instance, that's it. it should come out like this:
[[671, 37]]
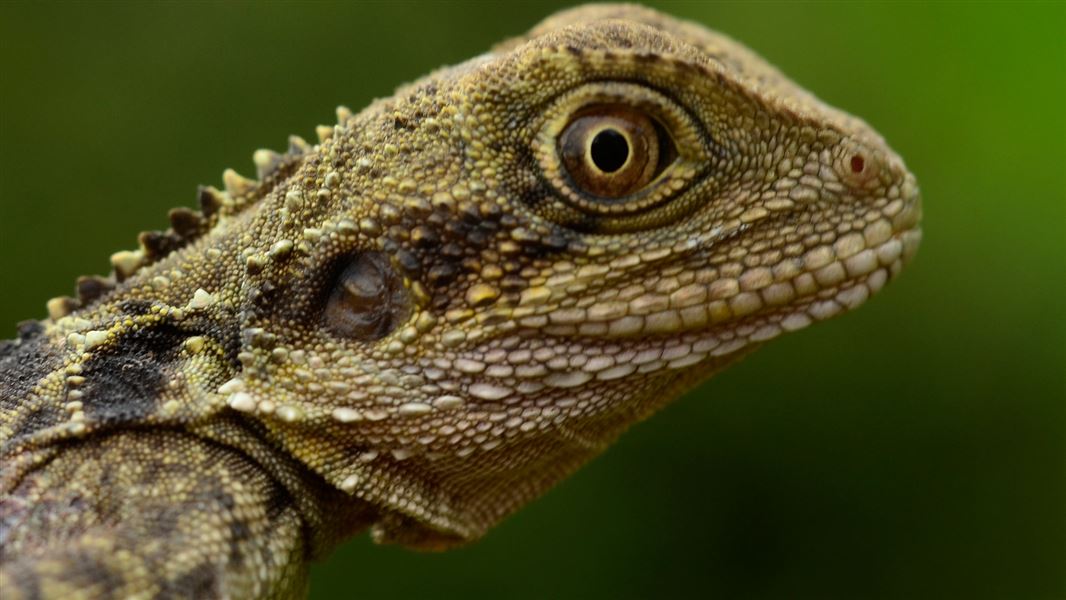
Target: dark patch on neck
[[23, 363], [125, 382]]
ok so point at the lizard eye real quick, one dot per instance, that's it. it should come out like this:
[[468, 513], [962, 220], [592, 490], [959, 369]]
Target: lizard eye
[[617, 155], [614, 151], [368, 300]]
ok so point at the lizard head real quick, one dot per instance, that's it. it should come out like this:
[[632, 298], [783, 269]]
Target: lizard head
[[468, 289]]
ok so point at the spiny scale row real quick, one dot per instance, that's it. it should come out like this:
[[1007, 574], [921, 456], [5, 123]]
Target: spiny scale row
[[187, 225]]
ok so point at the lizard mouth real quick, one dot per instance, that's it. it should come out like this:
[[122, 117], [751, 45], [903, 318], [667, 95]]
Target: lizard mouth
[[761, 302], [835, 289], [722, 317], [839, 286]]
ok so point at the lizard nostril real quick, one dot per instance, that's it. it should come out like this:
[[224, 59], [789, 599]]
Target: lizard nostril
[[858, 163], [857, 166]]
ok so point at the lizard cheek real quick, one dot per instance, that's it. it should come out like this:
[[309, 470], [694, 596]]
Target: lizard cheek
[[368, 299]]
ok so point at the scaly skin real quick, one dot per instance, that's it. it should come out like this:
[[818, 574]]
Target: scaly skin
[[426, 320]]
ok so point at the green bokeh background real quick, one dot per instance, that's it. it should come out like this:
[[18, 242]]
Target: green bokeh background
[[912, 449]]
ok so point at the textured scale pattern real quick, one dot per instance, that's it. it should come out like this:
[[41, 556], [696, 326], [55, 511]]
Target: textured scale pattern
[[421, 323]]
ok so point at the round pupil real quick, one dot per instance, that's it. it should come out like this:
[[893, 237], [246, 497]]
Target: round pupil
[[609, 150]]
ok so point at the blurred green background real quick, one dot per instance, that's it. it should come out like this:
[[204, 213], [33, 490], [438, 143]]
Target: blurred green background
[[912, 449]]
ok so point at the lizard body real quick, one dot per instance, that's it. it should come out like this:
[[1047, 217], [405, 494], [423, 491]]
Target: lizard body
[[424, 321]]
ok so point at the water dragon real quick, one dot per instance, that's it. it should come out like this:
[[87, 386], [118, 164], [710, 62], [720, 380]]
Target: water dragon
[[423, 321]]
